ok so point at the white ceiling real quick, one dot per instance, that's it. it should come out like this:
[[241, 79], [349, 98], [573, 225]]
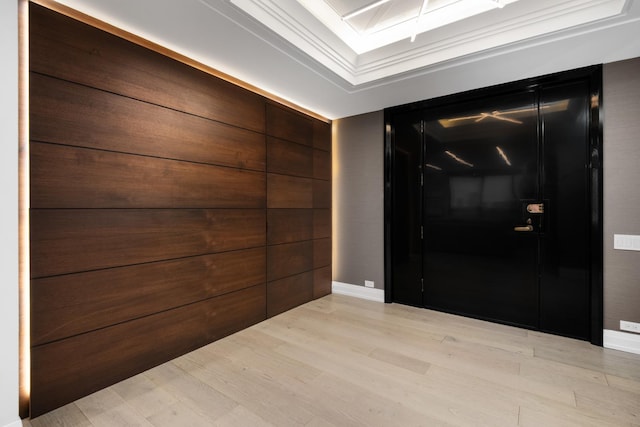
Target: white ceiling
[[303, 51]]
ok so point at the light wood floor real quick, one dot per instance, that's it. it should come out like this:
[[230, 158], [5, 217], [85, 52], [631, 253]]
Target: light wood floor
[[341, 361]]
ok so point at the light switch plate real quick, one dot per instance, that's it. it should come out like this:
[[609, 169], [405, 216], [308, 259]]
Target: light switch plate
[[626, 242]]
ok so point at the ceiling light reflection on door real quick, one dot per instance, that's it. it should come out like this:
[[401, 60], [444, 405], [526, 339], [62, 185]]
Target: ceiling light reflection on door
[[458, 159], [503, 155]]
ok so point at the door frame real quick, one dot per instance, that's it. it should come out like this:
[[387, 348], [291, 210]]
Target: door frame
[[594, 75]]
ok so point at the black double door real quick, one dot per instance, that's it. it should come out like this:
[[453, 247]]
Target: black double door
[[492, 206]]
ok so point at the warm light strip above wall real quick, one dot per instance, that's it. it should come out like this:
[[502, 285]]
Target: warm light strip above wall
[[94, 22]]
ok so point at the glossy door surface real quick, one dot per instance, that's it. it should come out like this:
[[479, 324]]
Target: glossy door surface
[[481, 170], [492, 211]]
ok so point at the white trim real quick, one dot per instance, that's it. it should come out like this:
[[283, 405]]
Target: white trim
[[17, 423], [371, 294], [621, 341]]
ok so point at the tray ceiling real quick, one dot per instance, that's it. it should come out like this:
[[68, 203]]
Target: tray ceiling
[[390, 37]]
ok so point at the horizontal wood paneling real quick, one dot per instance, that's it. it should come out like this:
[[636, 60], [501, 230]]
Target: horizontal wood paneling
[[289, 192], [71, 368], [70, 177], [322, 135], [321, 164], [63, 306], [321, 194], [69, 241], [290, 292], [289, 259], [72, 114], [321, 282], [321, 253], [289, 158], [289, 225], [287, 124], [64, 48], [321, 223]]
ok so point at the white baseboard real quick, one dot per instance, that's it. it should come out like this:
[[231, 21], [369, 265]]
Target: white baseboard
[[371, 294], [17, 423], [621, 341]]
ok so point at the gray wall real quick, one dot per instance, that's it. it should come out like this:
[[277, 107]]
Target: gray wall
[[621, 190], [358, 209], [358, 214]]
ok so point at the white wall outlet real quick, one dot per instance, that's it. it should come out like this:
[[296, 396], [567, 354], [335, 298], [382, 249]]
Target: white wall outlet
[[630, 326], [626, 242], [369, 283]]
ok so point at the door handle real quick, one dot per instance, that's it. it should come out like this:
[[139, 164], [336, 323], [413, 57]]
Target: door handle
[[523, 228], [527, 227]]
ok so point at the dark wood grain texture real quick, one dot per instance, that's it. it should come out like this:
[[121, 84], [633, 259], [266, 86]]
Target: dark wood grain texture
[[67, 305], [322, 135], [321, 282], [289, 158], [67, 113], [71, 368], [285, 123], [70, 241], [321, 253], [321, 223], [321, 164], [285, 191], [70, 177], [289, 259], [289, 225], [321, 194], [70, 50], [285, 294]]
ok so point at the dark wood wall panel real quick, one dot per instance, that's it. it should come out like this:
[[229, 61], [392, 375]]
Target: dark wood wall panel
[[64, 48], [321, 253], [289, 259], [169, 208], [286, 124], [321, 282], [284, 294], [68, 305], [321, 223], [321, 165], [321, 194], [71, 368], [289, 158], [70, 177], [290, 225], [72, 114], [73, 240], [321, 135], [285, 191]]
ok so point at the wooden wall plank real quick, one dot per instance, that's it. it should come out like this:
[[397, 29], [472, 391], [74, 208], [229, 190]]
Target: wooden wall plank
[[322, 135], [285, 294], [70, 50], [321, 253], [289, 225], [71, 114], [289, 158], [321, 282], [67, 305], [321, 164], [321, 223], [285, 123], [289, 259], [69, 241], [71, 177], [321, 194], [71, 368], [289, 192]]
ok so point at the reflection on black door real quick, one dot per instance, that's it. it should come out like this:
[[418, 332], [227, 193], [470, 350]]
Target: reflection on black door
[[491, 207]]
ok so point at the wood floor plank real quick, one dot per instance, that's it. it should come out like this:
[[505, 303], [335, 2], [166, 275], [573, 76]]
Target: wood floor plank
[[340, 361]]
